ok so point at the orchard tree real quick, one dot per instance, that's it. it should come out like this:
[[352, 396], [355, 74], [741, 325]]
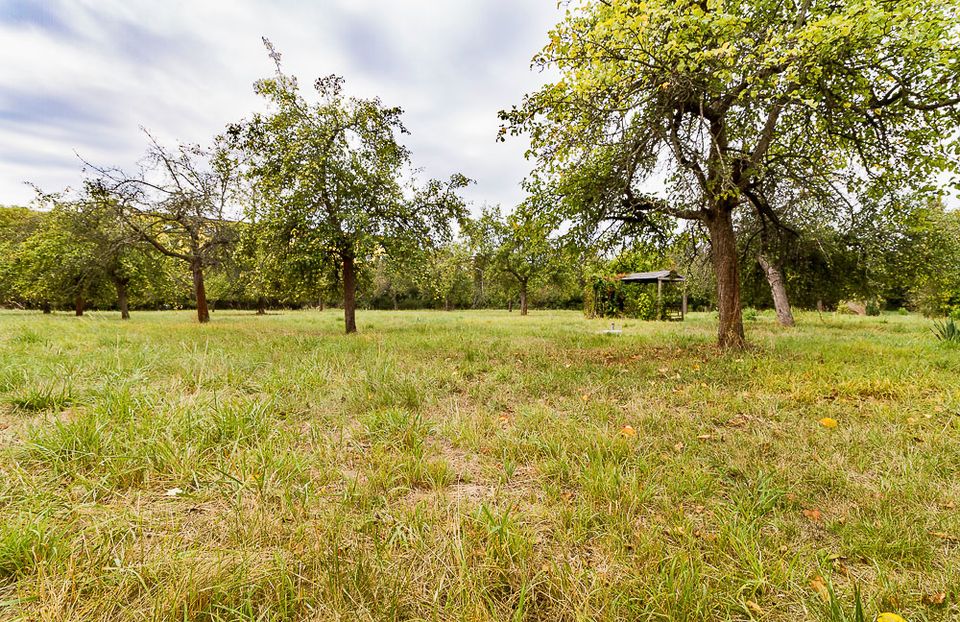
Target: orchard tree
[[183, 203], [56, 265], [522, 249], [443, 270], [393, 277], [790, 211], [116, 252], [481, 243], [768, 235], [258, 258], [710, 96], [329, 173]]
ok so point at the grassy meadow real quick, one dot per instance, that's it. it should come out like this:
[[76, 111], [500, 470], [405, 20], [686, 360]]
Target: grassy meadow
[[475, 466]]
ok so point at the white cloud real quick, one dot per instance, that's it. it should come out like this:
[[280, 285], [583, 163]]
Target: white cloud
[[83, 75]]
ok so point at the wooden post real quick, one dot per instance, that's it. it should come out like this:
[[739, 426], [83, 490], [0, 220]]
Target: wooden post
[[660, 314]]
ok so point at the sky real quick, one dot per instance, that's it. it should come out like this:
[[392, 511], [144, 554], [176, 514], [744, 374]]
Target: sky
[[80, 77]]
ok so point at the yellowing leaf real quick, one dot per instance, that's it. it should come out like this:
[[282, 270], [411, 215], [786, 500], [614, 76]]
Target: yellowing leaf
[[814, 515], [827, 422], [889, 617], [933, 600], [818, 586], [754, 608], [628, 431]]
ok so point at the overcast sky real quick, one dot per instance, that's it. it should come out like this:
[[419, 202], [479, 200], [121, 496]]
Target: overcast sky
[[81, 76]]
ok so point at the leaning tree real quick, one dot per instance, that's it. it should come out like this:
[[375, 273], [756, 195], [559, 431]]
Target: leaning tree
[[330, 172], [185, 203], [707, 97]]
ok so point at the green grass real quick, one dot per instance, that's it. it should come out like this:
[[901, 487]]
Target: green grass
[[473, 466]]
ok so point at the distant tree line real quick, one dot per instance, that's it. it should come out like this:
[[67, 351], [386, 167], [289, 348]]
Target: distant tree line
[[81, 255]]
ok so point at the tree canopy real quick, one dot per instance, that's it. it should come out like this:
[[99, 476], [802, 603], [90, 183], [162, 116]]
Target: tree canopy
[[853, 97], [181, 202], [519, 247], [330, 174]]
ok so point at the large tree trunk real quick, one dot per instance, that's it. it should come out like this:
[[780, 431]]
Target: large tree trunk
[[122, 298], [261, 306], [78, 305], [723, 244], [523, 298], [349, 294], [778, 288], [45, 307], [203, 312]]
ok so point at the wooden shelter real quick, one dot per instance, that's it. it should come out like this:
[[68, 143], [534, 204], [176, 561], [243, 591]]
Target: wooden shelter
[[660, 277]]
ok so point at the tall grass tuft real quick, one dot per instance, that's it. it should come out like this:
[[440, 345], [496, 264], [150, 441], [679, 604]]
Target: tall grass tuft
[[26, 542], [947, 331], [43, 398]]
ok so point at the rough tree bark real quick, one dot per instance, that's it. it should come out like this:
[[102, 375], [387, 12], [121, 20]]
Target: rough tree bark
[[45, 307], [778, 289], [122, 298], [261, 306], [78, 305], [523, 298], [767, 259], [724, 249], [349, 293], [203, 311]]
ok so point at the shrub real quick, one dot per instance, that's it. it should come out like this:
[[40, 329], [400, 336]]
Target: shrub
[[639, 305], [750, 314], [607, 296], [603, 297]]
